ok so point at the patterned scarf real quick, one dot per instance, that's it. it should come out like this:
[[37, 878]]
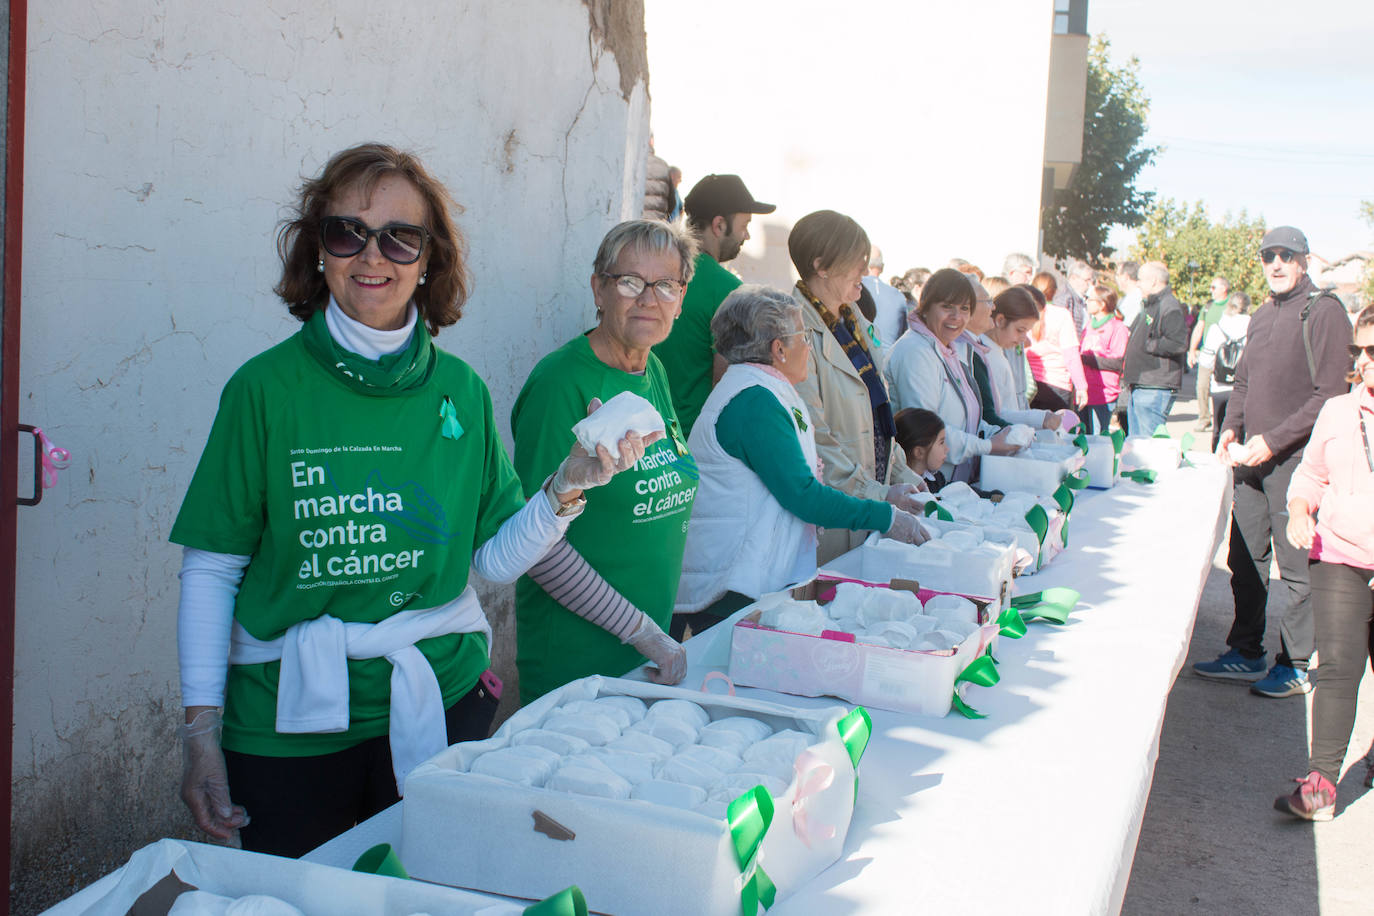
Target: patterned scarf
[[851, 340]]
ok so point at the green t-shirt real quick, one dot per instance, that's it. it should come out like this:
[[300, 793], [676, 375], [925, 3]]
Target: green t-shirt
[[352, 504], [758, 431], [689, 353], [1212, 314], [632, 531]]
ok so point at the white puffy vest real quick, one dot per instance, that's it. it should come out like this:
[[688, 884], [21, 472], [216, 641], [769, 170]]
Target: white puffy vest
[[741, 539]]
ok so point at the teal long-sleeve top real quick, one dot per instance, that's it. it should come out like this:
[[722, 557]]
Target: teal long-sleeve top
[[760, 432]]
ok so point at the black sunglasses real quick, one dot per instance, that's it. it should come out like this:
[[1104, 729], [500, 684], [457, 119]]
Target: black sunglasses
[[1283, 254], [344, 237], [1356, 350]]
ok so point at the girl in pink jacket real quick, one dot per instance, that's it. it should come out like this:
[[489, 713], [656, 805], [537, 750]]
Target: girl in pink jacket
[[1104, 356], [1335, 482]]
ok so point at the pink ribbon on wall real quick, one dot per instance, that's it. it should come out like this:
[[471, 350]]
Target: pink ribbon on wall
[[814, 776], [54, 458]]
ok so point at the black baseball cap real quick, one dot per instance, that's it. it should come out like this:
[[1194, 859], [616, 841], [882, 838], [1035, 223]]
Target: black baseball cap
[[1284, 237], [721, 195]]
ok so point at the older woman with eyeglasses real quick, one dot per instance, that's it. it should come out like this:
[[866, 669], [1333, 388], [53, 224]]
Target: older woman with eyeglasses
[[599, 602], [761, 499], [353, 475]]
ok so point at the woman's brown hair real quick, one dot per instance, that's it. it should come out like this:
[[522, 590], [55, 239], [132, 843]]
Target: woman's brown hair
[[440, 299], [1015, 303]]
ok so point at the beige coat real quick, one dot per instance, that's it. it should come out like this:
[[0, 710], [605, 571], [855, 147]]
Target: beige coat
[[838, 402]]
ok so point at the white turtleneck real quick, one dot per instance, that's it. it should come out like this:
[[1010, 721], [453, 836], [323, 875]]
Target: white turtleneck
[[370, 343]]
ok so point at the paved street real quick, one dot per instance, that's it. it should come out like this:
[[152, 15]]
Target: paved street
[[1211, 842]]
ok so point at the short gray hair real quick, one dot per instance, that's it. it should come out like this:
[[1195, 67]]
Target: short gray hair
[[749, 320], [1155, 270], [1016, 260], [1081, 269], [647, 235], [1238, 303]]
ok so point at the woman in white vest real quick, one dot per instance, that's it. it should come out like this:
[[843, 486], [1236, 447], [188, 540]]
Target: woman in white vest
[[760, 498]]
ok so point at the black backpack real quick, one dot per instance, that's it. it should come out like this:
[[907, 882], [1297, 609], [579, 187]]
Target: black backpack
[[1228, 357]]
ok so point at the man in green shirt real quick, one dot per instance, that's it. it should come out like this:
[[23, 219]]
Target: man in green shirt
[[718, 210], [1210, 315]]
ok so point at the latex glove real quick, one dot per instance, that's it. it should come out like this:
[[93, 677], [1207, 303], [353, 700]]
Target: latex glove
[[1259, 452], [903, 496], [1227, 437], [1302, 527], [1000, 446], [907, 528], [581, 471], [204, 779], [658, 647], [1080, 398], [1052, 420]]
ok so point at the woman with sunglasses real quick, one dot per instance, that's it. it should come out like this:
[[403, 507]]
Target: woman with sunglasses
[[353, 475], [1331, 515], [601, 600]]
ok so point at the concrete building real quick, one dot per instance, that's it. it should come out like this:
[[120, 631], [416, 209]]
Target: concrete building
[[942, 128], [163, 142]]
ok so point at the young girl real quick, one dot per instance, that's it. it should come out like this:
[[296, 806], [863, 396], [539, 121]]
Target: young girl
[[1104, 355], [921, 434], [1014, 313]]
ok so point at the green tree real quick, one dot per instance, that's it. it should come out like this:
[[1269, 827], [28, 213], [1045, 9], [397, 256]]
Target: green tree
[[1182, 237], [1102, 192], [1367, 290]]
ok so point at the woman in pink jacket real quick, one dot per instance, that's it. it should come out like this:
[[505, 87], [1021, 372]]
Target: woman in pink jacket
[[1104, 355], [1335, 482], [1054, 358]]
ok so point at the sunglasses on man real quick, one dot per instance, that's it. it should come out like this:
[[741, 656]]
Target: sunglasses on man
[[1283, 254], [1356, 350]]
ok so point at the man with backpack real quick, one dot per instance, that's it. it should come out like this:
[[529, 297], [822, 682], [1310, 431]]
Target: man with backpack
[[1207, 318], [1294, 359], [1220, 353]]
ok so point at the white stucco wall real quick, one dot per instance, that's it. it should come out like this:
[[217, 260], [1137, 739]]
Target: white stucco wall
[[164, 139], [923, 121]]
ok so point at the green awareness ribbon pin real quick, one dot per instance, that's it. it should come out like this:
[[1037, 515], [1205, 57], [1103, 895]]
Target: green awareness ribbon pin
[[1051, 605], [981, 671], [449, 427], [797, 415], [748, 817], [873, 336], [675, 432], [939, 511], [567, 902]]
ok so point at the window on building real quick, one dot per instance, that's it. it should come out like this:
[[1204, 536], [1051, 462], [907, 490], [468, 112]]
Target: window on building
[[1070, 17]]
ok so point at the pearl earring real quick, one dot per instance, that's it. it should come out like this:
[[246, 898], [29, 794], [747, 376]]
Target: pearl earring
[[422, 278], [320, 266]]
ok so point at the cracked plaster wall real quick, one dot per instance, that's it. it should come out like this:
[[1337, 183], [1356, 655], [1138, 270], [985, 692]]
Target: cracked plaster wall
[[164, 140]]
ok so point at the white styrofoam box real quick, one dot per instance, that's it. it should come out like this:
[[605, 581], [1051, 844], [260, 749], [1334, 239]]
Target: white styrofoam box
[[984, 573], [1101, 463], [315, 890], [835, 665], [1040, 472], [627, 856], [1146, 453]]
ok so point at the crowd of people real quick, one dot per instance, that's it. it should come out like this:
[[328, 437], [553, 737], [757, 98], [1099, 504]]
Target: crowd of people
[[354, 475]]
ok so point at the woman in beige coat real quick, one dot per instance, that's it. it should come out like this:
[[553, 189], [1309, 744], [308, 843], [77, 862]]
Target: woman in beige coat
[[844, 389]]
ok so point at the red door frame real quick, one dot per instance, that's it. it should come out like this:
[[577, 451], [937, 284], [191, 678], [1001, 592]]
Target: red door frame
[[9, 409]]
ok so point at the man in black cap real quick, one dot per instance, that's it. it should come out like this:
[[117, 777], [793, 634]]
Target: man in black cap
[[1295, 358], [718, 210]]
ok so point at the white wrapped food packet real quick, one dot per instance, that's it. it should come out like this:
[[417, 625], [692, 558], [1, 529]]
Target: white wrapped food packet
[[584, 775], [1020, 435], [607, 425], [510, 764]]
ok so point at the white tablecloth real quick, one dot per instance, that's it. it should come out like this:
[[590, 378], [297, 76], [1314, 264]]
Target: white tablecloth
[[1035, 809]]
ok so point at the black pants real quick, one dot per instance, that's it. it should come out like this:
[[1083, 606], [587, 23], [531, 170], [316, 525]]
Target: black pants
[[1219, 401], [701, 621], [1048, 397], [1259, 523], [297, 803], [1343, 610]]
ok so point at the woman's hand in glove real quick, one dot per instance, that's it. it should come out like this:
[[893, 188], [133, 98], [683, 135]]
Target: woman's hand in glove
[[581, 471], [906, 527], [661, 649], [903, 496], [204, 779]]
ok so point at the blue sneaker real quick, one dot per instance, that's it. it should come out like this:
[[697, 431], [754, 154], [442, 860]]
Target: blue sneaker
[[1282, 681], [1232, 666]]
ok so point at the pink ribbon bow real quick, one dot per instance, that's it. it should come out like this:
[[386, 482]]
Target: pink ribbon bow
[[54, 458], [814, 775]]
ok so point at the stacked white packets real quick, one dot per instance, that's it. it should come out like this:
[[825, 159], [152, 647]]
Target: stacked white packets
[[668, 752], [894, 618]]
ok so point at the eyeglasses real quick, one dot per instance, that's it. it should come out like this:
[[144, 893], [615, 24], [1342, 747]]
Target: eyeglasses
[[632, 285], [399, 243], [1283, 254], [1356, 350]]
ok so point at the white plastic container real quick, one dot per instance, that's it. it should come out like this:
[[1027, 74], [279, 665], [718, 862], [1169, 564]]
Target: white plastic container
[[1146, 453], [984, 572], [1101, 463], [1039, 470]]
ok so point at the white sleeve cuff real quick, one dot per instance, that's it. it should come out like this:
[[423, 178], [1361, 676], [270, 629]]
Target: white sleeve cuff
[[521, 541], [205, 616]]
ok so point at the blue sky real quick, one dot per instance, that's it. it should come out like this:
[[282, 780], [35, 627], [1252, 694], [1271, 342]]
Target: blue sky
[[1266, 106]]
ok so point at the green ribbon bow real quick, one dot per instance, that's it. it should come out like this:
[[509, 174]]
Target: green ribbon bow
[[1118, 438], [1081, 441], [749, 817], [981, 671], [1144, 475], [567, 902], [1064, 498], [449, 427], [1039, 521], [381, 860], [1077, 480], [939, 511], [1052, 605], [797, 415], [1184, 444], [1010, 624], [855, 730]]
